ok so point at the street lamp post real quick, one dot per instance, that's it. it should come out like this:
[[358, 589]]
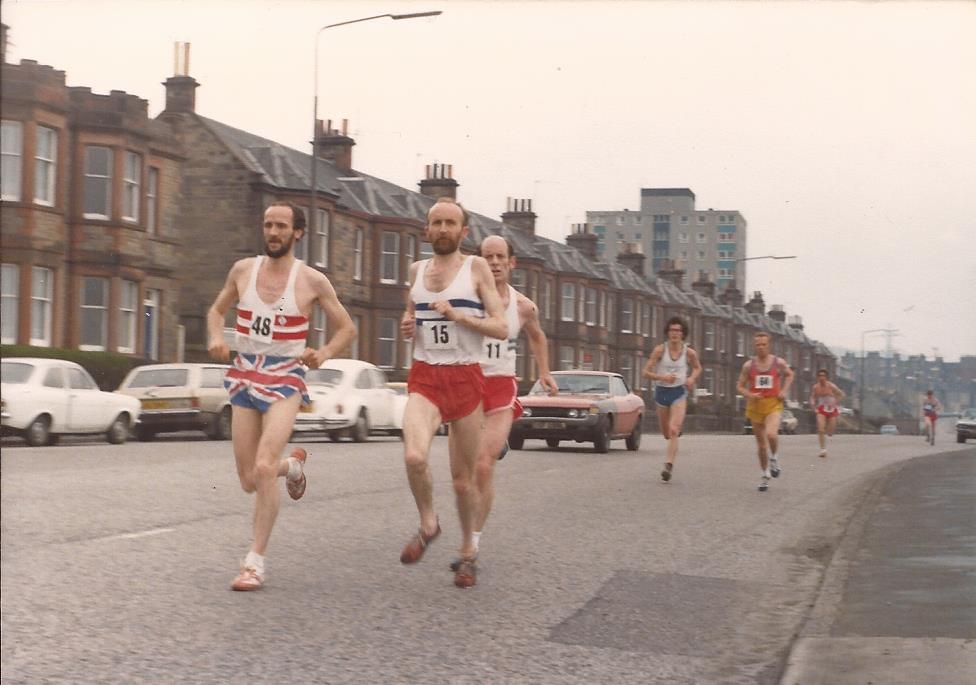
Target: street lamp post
[[313, 188], [860, 389], [747, 259]]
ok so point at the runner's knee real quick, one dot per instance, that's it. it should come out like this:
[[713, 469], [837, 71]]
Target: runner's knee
[[247, 483], [414, 459], [264, 471]]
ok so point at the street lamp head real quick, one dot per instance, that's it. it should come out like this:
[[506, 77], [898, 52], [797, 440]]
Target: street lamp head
[[415, 15]]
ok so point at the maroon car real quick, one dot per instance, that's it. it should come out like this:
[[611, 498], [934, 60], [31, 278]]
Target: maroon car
[[592, 406]]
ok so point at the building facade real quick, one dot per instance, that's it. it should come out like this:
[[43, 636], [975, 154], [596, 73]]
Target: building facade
[[88, 216], [669, 229]]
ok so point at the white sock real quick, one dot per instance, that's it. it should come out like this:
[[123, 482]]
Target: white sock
[[255, 561], [773, 457], [767, 474], [476, 537], [294, 469]]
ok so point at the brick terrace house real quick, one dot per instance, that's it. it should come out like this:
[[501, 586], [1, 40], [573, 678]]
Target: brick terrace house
[[88, 218]]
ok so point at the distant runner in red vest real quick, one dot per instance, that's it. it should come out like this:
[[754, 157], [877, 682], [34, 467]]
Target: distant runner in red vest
[[764, 381], [274, 293], [825, 400]]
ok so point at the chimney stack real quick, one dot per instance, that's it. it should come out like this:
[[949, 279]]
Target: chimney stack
[[584, 240], [756, 305], [439, 181], [704, 286], [632, 256], [732, 295], [518, 213], [795, 322], [777, 313], [334, 145], [181, 87], [670, 272]]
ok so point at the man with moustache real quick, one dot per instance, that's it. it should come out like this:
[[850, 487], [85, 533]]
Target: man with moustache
[[452, 306], [274, 294]]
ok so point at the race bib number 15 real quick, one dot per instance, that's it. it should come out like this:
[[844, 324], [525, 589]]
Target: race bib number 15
[[441, 335]]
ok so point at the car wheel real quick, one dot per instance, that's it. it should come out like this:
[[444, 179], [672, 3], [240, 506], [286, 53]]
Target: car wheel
[[220, 429], [38, 432], [442, 429], [515, 443], [334, 436], [144, 434], [634, 439], [360, 430], [601, 442], [552, 442], [960, 438], [118, 432]]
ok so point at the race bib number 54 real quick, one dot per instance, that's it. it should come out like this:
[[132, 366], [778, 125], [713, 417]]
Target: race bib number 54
[[764, 382], [440, 335]]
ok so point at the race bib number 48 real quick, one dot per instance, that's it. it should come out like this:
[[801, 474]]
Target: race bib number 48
[[440, 335], [260, 329], [764, 382]]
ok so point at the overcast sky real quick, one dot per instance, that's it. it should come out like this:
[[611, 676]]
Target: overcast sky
[[843, 132]]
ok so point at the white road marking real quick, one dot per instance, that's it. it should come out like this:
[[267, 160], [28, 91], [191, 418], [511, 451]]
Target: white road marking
[[141, 534]]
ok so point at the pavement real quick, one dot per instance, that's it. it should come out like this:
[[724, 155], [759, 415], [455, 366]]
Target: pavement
[[898, 602], [857, 568]]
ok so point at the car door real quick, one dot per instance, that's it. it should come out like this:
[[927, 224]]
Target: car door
[[626, 410], [55, 398], [88, 412], [383, 401]]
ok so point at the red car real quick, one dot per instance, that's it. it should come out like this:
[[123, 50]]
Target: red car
[[592, 406]]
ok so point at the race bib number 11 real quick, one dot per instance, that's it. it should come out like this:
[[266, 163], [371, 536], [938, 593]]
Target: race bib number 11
[[440, 335]]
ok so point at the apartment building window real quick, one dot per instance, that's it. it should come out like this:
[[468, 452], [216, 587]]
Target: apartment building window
[[626, 367], [354, 345], [323, 226], [701, 218], [357, 270], [426, 249], [11, 162], [603, 308], [726, 237], [610, 313], [682, 237], [518, 279], [406, 353], [740, 344], [411, 257], [390, 257], [316, 333], [638, 220], [701, 255], [725, 254], [45, 165], [569, 301], [152, 195], [591, 306], [626, 315], [684, 221], [42, 296], [620, 221], [683, 254], [9, 296], [131, 183], [725, 273], [150, 331], [709, 336], [532, 287], [128, 315], [386, 349], [710, 379], [567, 357], [94, 313], [98, 182], [700, 238], [545, 299], [647, 316]]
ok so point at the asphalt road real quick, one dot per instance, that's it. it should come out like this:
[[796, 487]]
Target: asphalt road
[[116, 564]]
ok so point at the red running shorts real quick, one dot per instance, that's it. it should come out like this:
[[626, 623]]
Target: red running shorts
[[501, 392], [456, 390]]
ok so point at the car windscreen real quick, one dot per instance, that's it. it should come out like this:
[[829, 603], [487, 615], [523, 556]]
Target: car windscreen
[[576, 384], [15, 372], [159, 378], [323, 376]]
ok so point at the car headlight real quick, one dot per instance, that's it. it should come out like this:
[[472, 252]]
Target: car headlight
[[526, 411], [573, 413], [594, 410]]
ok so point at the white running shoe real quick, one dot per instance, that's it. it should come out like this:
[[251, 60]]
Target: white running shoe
[[774, 468], [764, 484]]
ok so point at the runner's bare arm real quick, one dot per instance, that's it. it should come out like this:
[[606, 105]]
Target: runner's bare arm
[[742, 386], [340, 323], [788, 376], [838, 392], [696, 369], [217, 346], [538, 344], [493, 324], [408, 323], [655, 357]]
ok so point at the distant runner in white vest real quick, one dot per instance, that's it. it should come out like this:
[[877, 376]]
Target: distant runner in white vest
[[668, 367], [452, 306], [275, 294]]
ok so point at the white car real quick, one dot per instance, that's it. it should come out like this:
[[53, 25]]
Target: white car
[[45, 398], [349, 397]]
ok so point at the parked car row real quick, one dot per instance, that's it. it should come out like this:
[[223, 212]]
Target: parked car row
[[788, 424]]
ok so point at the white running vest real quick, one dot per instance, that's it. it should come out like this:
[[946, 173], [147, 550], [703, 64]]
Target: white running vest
[[499, 356], [679, 367], [278, 329], [437, 340]]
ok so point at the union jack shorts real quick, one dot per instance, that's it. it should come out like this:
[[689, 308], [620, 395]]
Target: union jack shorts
[[256, 381]]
